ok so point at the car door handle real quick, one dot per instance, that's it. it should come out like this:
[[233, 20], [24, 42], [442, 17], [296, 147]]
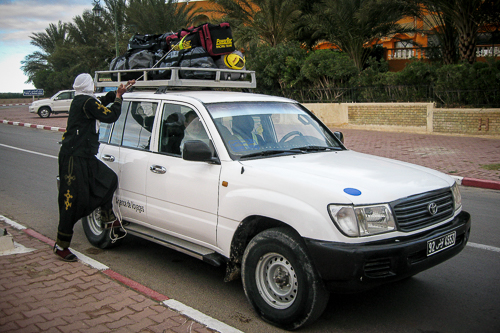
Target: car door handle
[[108, 158], [157, 169]]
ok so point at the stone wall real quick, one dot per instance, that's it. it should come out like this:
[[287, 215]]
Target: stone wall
[[415, 117], [388, 114], [467, 121]]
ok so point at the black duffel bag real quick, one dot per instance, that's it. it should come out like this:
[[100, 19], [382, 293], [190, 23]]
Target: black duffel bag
[[172, 59], [199, 58], [132, 59], [144, 42]]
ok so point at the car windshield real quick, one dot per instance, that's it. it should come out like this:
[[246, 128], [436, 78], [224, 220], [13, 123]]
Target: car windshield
[[257, 129]]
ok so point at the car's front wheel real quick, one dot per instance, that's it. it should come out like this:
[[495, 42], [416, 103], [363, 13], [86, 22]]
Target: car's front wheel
[[44, 112], [280, 280], [96, 234]]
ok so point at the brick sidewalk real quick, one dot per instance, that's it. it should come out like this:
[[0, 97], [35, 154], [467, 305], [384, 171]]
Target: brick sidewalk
[[40, 293], [454, 155]]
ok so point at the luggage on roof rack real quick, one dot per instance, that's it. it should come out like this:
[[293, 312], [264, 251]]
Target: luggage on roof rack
[[171, 78]]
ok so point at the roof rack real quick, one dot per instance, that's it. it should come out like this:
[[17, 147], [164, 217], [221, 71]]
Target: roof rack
[[114, 78]]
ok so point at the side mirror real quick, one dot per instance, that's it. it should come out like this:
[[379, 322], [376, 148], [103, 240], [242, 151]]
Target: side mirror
[[339, 136], [198, 151]]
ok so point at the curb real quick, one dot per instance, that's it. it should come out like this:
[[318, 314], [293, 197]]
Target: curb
[[44, 127], [489, 184], [15, 104], [464, 181], [94, 264], [175, 305]]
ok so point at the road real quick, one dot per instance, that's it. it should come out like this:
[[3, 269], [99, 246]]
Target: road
[[460, 295]]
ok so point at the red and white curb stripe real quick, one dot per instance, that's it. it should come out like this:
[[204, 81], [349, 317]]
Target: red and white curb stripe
[[44, 127], [15, 104], [196, 315], [481, 183]]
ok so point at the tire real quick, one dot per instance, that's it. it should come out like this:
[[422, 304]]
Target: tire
[[44, 112], [280, 280], [96, 234]]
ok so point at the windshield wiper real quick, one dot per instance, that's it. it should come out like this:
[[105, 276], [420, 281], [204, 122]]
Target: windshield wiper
[[273, 152], [317, 148]]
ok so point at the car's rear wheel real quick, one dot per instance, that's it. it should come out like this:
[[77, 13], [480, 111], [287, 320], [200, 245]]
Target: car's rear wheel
[[280, 280], [96, 234], [44, 112]]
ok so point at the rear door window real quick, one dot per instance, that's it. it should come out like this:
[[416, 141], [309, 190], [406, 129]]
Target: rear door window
[[139, 125]]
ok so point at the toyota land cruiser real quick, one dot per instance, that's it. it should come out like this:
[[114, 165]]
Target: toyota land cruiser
[[257, 183]]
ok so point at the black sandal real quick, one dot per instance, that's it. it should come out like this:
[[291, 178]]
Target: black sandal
[[64, 254]]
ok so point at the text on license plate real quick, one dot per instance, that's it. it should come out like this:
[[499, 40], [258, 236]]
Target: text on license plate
[[439, 244]]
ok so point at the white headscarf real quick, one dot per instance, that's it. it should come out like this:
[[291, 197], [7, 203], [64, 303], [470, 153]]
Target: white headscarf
[[84, 85]]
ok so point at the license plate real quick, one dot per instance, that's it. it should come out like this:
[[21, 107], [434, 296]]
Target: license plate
[[442, 243]]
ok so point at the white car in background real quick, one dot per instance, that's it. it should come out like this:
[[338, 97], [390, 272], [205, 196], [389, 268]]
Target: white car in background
[[257, 183], [59, 103]]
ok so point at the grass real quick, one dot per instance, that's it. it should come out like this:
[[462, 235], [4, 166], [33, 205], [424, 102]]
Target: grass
[[494, 167]]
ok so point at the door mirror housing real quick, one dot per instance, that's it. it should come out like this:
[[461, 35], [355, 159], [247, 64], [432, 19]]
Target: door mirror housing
[[340, 136], [198, 151]]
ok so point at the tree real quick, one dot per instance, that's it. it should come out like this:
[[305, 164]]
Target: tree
[[467, 17], [158, 16], [257, 22], [91, 42], [53, 37], [353, 24], [444, 31], [277, 68]]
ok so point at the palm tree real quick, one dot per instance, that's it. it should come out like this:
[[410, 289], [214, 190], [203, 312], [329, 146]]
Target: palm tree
[[254, 22], [54, 36], [158, 16], [92, 40], [353, 24], [443, 30], [467, 17]]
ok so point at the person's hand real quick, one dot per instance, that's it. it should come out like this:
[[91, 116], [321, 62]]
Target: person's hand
[[123, 88]]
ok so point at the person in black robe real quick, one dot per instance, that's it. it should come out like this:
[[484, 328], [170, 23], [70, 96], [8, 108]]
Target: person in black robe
[[86, 183]]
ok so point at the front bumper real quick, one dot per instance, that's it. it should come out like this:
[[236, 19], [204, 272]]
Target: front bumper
[[355, 267]]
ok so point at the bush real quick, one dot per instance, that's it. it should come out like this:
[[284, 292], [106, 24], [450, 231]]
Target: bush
[[465, 84], [376, 73], [328, 69], [11, 95], [276, 68], [330, 76], [416, 73]]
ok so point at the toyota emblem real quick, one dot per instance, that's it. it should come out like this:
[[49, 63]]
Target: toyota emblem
[[432, 208]]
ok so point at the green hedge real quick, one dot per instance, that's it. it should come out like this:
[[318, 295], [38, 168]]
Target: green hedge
[[327, 75]]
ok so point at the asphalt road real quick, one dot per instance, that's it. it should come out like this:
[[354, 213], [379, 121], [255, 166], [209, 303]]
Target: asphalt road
[[460, 295]]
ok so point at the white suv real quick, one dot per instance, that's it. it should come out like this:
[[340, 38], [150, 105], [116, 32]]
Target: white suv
[[59, 103], [259, 184]]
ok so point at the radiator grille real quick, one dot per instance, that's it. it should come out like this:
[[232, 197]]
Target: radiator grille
[[415, 212]]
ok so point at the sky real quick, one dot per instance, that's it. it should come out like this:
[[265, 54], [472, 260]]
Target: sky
[[19, 19]]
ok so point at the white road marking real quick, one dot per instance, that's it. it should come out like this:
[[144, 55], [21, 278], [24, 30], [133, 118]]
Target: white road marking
[[200, 317], [28, 151], [484, 247]]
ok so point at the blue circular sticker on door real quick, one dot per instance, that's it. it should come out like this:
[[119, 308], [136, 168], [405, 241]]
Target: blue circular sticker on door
[[352, 191]]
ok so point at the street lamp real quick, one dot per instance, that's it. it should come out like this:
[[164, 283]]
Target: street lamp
[[97, 10]]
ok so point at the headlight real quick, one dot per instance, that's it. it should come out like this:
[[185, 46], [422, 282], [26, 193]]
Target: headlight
[[356, 221], [457, 197]]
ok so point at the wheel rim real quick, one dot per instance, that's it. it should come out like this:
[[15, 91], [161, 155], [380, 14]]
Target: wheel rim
[[44, 113], [94, 222], [276, 281]]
